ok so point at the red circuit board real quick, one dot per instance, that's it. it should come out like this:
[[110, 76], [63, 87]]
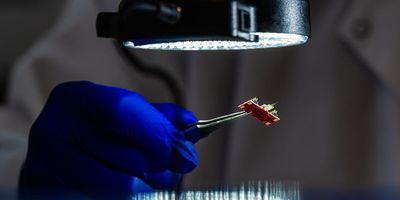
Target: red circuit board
[[261, 113]]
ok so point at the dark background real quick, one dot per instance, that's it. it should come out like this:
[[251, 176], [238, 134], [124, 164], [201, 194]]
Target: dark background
[[22, 22]]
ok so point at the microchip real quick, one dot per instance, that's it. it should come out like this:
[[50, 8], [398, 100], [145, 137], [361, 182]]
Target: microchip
[[267, 114]]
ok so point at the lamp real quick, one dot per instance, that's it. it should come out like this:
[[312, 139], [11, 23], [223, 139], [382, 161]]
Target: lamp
[[207, 25]]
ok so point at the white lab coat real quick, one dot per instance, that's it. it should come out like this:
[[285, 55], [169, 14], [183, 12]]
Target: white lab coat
[[338, 96]]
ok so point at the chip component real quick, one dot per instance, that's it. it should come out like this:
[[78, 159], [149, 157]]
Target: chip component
[[265, 113]]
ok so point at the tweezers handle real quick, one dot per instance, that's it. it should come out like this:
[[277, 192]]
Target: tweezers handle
[[203, 128], [194, 133], [221, 118]]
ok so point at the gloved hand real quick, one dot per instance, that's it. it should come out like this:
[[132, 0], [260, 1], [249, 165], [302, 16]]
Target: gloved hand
[[98, 141]]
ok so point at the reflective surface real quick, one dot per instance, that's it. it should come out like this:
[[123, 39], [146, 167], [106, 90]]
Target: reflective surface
[[250, 191], [266, 40]]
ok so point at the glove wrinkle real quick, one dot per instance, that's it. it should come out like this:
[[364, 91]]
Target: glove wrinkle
[[106, 142]]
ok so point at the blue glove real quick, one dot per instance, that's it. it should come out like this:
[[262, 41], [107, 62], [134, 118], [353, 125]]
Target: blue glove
[[98, 141]]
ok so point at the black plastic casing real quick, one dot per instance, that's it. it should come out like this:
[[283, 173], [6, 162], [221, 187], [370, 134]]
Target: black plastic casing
[[140, 21]]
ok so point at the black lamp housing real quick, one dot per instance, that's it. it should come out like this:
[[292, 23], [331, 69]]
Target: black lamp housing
[[207, 25]]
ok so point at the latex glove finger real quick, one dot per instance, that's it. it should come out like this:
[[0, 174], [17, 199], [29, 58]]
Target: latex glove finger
[[163, 181], [181, 118], [128, 116], [177, 115]]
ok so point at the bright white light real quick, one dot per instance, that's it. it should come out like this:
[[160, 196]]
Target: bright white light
[[266, 40], [251, 191]]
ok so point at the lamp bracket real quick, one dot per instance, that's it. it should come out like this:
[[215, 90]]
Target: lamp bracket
[[243, 21]]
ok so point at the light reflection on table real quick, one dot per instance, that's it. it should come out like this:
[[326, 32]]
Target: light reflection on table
[[249, 191]]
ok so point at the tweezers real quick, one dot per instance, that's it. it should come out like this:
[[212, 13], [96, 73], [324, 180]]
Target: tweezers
[[203, 128]]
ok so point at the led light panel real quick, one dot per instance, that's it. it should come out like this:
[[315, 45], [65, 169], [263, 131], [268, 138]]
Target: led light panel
[[266, 40]]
